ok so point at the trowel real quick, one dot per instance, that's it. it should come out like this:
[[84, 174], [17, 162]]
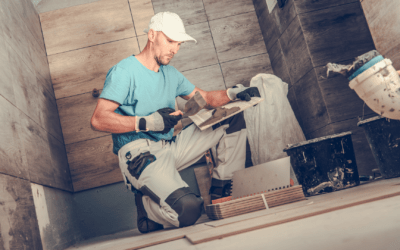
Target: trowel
[[194, 105]]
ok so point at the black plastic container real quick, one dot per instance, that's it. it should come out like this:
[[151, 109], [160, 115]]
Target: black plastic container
[[324, 164], [384, 139]]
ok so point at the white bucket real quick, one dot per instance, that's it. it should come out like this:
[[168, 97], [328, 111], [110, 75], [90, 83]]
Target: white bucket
[[379, 88]]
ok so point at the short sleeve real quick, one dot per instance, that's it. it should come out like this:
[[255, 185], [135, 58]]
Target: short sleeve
[[116, 85], [184, 86]]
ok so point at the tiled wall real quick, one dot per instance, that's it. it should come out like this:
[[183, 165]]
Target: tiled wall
[[32, 148], [82, 45], [301, 38], [384, 22]]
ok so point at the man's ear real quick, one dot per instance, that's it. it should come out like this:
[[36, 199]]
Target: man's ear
[[151, 35]]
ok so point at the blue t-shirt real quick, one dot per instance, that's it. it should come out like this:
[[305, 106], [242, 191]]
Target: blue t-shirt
[[141, 92]]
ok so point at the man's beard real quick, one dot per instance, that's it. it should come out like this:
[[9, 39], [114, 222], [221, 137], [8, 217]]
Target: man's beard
[[159, 62]]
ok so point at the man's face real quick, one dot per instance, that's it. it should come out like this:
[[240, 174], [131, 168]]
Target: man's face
[[164, 48]]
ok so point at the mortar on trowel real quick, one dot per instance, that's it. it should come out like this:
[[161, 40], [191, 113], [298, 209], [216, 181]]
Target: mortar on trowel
[[375, 81]]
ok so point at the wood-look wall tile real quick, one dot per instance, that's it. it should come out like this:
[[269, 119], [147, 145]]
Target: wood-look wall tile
[[295, 50], [269, 28], [38, 59], [342, 102], [15, 30], [6, 79], [259, 6], [24, 83], [364, 157], [142, 11], [19, 226], [12, 155], [75, 113], [191, 55], [304, 6], [336, 34], [384, 23], [48, 113], [324, 131], [237, 37], [142, 41], [86, 25], [207, 78], [278, 63], [45, 83], [284, 16], [92, 163], [39, 149], [394, 56], [242, 70], [216, 9], [191, 12], [295, 107], [80, 71], [313, 110]]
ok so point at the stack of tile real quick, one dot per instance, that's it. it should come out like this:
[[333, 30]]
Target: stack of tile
[[255, 202]]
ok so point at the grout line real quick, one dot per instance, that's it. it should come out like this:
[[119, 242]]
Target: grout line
[[212, 38], [133, 22], [326, 8], [87, 140], [93, 45], [228, 16]]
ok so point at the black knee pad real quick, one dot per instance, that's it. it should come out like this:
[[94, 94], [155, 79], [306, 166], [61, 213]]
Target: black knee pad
[[236, 123], [186, 204]]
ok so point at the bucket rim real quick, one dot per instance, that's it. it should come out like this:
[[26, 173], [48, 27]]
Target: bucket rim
[[360, 123], [315, 140]]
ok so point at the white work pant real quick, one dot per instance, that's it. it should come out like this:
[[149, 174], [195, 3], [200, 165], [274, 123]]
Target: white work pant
[[162, 177]]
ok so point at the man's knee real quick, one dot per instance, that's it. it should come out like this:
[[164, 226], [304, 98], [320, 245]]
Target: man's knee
[[187, 205], [236, 123]]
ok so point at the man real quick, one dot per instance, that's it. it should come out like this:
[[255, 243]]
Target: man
[[136, 106]]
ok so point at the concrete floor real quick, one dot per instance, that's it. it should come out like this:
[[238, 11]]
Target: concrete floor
[[374, 225]]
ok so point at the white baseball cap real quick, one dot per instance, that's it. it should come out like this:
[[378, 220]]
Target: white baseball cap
[[171, 25]]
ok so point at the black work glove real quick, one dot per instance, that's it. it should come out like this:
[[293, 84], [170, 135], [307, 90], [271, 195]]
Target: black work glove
[[160, 121], [242, 93]]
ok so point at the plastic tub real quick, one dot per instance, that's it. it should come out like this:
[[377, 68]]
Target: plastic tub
[[384, 139], [378, 85], [324, 164]]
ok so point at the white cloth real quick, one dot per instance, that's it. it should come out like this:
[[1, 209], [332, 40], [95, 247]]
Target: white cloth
[[271, 125]]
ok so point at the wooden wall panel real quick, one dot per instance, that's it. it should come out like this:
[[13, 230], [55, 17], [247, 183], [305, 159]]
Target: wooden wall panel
[[295, 107], [342, 102], [311, 103], [269, 28], [19, 225], [12, 156], [216, 9], [336, 34], [384, 23], [80, 71], [6, 89], [237, 37], [278, 63], [242, 70], [92, 163], [43, 153], [75, 113], [206, 78], [142, 11], [191, 55], [191, 12], [86, 25], [295, 51], [304, 6]]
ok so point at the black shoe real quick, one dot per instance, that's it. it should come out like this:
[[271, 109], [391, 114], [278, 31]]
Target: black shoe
[[144, 224]]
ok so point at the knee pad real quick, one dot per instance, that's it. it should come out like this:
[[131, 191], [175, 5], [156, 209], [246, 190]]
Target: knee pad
[[186, 204]]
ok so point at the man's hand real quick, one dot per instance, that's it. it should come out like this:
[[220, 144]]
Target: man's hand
[[242, 93], [163, 120]]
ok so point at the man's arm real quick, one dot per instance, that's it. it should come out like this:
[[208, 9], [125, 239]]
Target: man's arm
[[106, 120], [219, 98]]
